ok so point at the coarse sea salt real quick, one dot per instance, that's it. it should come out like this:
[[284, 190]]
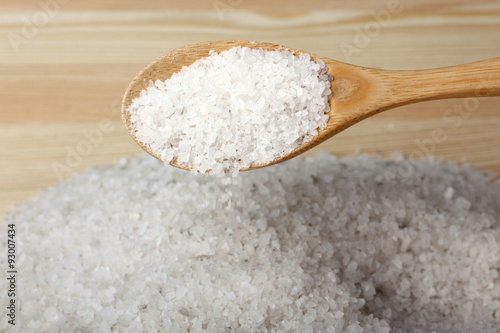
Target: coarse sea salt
[[318, 245], [233, 110]]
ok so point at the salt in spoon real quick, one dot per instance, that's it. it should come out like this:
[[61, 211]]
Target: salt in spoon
[[358, 92]]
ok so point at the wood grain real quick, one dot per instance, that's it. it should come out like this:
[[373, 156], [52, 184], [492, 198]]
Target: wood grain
[[72, 73]]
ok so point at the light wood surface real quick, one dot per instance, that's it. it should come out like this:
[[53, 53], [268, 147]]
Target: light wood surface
[[62, 81]]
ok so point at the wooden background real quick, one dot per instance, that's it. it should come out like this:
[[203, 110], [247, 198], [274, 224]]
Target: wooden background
[[64, 67]]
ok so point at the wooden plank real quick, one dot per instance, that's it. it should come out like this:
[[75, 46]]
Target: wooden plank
[[71, 74]]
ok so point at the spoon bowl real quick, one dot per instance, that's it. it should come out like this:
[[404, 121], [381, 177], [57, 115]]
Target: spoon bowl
[[358, 92]]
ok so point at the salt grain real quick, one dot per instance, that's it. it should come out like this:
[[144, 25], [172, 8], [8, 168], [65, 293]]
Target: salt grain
[[233, 110], [296, 259]]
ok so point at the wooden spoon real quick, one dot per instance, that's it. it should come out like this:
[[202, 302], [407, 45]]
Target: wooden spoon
[[358, 92]]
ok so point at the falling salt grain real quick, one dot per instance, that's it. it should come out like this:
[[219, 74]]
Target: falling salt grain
[[233, 110], [448, 194]]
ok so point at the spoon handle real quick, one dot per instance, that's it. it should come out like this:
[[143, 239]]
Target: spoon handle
[[477, 79]]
